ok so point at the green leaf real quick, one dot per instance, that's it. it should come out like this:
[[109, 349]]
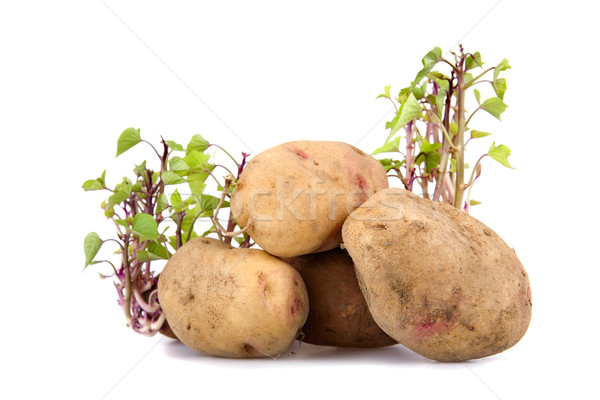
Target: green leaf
[[95, 184], [145, 226], [432, 161], [389, 147], [129, 138], [140, 170], [91, 245], [419, 92], [197, 160], [408, 111], [468, 77], [209, 203], [390, 124], [197, 143], [429, 62], [174, 146], [452, 165], [500, 153], [388, 163], [197, 186], [427, 147], [453, 128], [386, 92], [494, 106], [123, 223], [500, 87], [473, 61], [177, 164], [161, 204], [503, 66], [176, 202], [119, 196], [474, 202], [240, 239], [153, 252], [159, 251], [475, 134], [171, 178], [477, 96]]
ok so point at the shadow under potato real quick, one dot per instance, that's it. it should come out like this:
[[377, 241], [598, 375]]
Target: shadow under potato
[[338, 314]]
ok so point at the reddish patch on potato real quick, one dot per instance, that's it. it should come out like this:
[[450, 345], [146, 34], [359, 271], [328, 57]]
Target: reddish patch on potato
[[426, 329], [362, 183], [300, 153]]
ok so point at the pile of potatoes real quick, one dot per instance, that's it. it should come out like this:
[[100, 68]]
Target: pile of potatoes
[[347, 262]]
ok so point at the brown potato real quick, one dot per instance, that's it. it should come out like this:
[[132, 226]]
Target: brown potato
[[436, 279], [230, 302], [297, 195], [338, 314]]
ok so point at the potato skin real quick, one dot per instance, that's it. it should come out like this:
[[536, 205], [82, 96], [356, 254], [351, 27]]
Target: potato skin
[[298, 194], [226, 302], [338, 314], [436, 279]]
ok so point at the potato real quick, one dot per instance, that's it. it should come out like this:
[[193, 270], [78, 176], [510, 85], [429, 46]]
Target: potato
[[436, 279], [338, 314], [297, 195], [228, 302]]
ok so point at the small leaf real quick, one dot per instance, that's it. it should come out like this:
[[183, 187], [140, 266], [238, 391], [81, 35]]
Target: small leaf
[[157, 251], [177, 164], [95, 184], [174, 146], [494, 106], [119, 196], [388, 163], [389, 147], [171, 178], [503, 66], [452, 165], [408, 111], [240, 239], [419, 92], [500, 87], [500, 153], [390, 124], [386, 92], [91, 245], [145, 226], [129, 138], [140, 170], [427, 147], [176, 202], [122, 223], [474, 202], [475, 134], [477, 96], [197, 160], [137, 187], [473, 61], [161, 204], [429, 62], [432, 161], [153, 252], [468, 77], [197, 143], [208, 202], [453, 128]]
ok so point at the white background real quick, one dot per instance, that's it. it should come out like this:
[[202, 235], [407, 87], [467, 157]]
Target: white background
[[74, 74]]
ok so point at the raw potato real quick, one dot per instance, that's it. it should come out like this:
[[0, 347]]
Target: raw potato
[[338, 314], [298, 194], [228, 302], [437, 280]]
